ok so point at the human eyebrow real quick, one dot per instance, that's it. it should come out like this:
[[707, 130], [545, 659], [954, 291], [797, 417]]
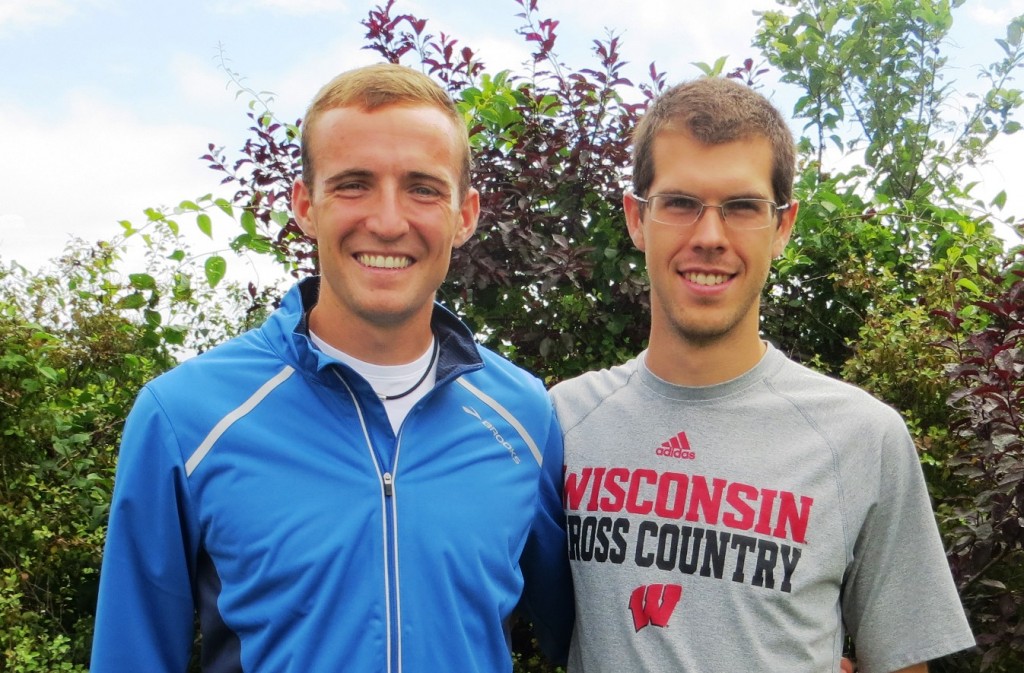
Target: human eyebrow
[[677, 192], [749, 195], [737, 196]]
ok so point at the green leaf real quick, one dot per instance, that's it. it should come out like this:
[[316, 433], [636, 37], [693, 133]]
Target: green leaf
[[711, 70], [281, 217], [132, 301], [205, 225], [48, 373], [225, 206], [174, 335], [1000, 200], [215, 268], [249, 222], [182, 288], [969, 285], [1014, 31], [142, 281]]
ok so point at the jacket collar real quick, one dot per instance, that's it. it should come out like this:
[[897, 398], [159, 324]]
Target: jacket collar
[[288, 330]]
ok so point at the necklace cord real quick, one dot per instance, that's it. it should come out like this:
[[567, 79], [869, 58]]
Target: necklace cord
[[430, 365]]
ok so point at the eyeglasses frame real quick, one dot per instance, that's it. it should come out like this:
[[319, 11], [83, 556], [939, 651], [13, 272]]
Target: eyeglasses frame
[[645, 202]]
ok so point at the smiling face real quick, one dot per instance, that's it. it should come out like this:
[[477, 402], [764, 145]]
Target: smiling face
[[386, 213], [706, 279]]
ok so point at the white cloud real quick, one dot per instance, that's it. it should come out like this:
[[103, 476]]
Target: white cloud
[[20, 15], [79, 174], [995, 13], [11, 223], [672, 33], [15, 13], [202, 85], [293, 7], [294, 88]]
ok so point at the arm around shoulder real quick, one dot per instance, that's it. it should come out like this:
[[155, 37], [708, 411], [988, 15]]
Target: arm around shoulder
[[547, 592], [916, 668]]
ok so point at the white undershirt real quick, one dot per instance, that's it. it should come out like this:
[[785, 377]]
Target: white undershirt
[[390, 379]]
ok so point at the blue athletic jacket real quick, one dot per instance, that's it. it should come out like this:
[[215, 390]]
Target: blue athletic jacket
[[260, 487]]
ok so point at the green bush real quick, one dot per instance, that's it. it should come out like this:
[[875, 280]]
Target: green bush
[[70, 366]]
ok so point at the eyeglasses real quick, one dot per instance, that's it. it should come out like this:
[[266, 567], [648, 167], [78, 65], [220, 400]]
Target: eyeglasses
[[680, 210]]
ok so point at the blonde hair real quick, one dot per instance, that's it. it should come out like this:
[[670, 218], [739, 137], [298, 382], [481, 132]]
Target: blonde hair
[[376, 86]]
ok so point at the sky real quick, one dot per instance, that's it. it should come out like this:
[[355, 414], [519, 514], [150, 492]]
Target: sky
[[107, 105]]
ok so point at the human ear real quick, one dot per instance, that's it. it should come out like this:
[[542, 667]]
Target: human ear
[[634, 221], [785, 229], [469, 214], [302, 203]]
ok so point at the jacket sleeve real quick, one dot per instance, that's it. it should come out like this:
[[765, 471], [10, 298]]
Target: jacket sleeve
[[547, 593], [145, 613]]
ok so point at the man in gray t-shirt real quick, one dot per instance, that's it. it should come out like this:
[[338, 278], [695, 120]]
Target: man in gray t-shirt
[[729, 509]]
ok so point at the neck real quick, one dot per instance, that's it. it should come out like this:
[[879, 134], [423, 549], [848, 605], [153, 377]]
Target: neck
[[686, 362], [376, 344]]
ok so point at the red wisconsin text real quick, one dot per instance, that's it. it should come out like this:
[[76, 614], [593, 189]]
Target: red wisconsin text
[[689, 497]]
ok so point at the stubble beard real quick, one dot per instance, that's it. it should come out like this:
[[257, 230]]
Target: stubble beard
[[691, 328]]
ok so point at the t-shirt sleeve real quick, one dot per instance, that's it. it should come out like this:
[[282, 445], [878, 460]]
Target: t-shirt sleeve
[[899, 600]]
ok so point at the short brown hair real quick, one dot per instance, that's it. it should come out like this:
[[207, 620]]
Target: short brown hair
[[715, 110], [376, 86]]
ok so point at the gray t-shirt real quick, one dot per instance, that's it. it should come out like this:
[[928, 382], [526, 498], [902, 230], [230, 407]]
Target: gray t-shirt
[[743, 526]]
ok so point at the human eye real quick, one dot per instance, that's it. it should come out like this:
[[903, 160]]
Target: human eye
[[425, 192], [677, 203], [746, 208], [347, 188]]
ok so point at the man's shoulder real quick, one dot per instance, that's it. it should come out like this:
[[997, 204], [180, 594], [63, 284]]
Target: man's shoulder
[[239, 365], [257, 349], [812, 391], [575, 398], [500, 372], [596, 381]]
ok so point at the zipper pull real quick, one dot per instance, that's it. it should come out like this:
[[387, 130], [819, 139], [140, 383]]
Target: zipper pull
[[387, 484]]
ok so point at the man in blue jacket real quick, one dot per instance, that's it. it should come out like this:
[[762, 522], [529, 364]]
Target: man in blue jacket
[[356, 485]]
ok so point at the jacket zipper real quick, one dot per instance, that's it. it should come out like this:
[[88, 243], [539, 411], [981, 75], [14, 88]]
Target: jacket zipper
[[394, 653], [391, 545]]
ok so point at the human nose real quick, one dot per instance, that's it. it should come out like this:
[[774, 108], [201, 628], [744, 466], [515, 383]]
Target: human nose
[[387, 220], [709, 230]]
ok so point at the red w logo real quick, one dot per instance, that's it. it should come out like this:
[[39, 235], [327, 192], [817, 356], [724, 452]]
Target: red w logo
[[654, 604]]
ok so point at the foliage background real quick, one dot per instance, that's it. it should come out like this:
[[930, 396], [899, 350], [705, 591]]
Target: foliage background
[[895, 280]]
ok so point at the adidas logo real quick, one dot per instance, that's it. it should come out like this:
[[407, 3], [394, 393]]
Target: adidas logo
[[677, 447]]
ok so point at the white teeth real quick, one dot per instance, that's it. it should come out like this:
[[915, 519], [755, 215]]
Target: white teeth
[[384, 261], [707, 278]]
